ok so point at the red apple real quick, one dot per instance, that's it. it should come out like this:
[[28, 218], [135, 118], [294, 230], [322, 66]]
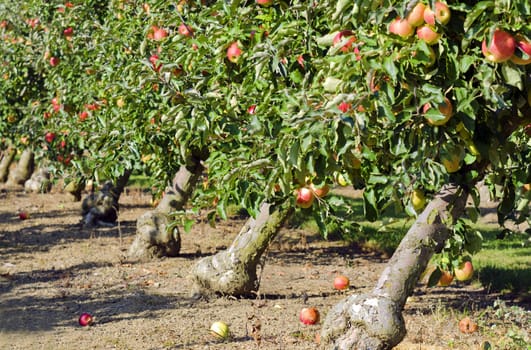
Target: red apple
[[68, 32], [234, 52], [341, 282], [185, 30], [264, 2], [86, 319], [252, 109], [344, 107], [401, 27], [416, 16], [445, 279], [23, 215], [345, 38], [500, 47], [309, 315], [446, 109], [441, 14], [54, 61], [83, 115], [522, 52], [465, 271], [304, 197], [159, 34], [320, 191], [428, 34], [49, 137]]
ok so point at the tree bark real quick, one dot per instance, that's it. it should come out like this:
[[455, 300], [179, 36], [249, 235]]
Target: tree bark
[[374, 320], [24, 169], [39, 182], [7, 158], [153, 238], [233, 271], [101, 208]]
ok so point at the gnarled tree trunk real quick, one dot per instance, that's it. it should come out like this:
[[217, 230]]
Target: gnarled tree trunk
[[233, 271], [101, 208], [5, 162], [24, 169], [153, 238], [374, 320]]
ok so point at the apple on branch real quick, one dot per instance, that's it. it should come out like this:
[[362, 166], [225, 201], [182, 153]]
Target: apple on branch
[[500, 47]]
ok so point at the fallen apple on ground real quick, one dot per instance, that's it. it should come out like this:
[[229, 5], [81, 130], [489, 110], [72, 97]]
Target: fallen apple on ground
[[467, 326], [309, 315], [86, 319], [220, 330], [23, 215], [341, 282]]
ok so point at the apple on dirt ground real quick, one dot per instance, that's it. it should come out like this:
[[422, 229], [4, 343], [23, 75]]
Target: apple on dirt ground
[[309, 315], [220, 330], [467, 326], [86, 319], [341, 282], [23, 215]]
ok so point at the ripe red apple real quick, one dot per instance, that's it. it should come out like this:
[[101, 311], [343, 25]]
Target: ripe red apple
[[522, 52], [83, 115], [340, 39], [428, 34], [54, 61], [446, 110], [252, 109], [309, 315], [49, 137], [401, 27], [465, 271], [446, 279], [185, 30], [159, 33], [500, 47], [304, 197], [416, 17], [341, 282], [264, 2], [344, 107], [23, 215], [86, 319], [441, 14], [234, 52], [68, 32]]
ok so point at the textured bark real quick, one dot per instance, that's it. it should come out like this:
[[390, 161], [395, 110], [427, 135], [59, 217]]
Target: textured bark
[[374, 320], [39, 182], [75, 188], [233, 271], [101, 208], [153, 238], [5, 162], [23, 170]]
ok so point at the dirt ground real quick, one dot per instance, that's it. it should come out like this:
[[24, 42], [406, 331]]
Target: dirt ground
[[52, 270]]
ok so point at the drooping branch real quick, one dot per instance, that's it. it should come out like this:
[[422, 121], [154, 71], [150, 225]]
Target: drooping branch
[[233, 271], [374, 320]]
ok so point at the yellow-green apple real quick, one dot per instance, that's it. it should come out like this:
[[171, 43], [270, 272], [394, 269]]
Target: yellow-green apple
[[452, 161], [441, 13], [309, 315], [445, 108], [234, 52], [522, 52], [464, 271], [500, 47], [345, 38], [220, 330], [304, 197], [428, 34], [418, 199], [401, 27], [416, 16]]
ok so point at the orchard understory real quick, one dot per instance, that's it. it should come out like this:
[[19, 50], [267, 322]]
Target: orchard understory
[[374, 321]]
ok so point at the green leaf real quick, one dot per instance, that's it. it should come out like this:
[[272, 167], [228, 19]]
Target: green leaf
[[513, 76]]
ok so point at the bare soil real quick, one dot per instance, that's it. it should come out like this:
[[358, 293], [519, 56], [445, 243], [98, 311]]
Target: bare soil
[[52, 270]]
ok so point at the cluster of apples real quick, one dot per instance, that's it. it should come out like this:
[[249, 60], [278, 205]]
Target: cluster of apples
[[502, 47], [305, 196], [463, 272], [421, 19]]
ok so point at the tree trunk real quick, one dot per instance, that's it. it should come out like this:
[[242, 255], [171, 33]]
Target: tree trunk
[[374, 320], [233, 271], [7, 158], [23, 170], [101, 208], [153, 238], [39, 182]]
